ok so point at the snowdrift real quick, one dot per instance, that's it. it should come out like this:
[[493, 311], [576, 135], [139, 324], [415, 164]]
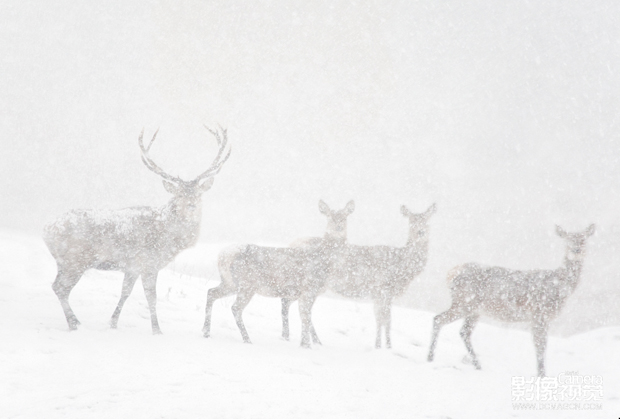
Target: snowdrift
[[97, 372]]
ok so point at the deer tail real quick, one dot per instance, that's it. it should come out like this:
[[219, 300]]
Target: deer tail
[[224, 262], [453, 273]]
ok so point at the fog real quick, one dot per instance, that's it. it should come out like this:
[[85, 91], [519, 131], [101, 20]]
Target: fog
[[503, 113]]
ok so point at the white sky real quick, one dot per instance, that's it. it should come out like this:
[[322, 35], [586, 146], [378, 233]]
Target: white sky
[[504, 113]]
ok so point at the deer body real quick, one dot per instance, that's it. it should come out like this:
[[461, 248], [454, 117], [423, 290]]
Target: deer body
[[298, 273], [382, 273], [336, 230], [138, 241], [534, 296]]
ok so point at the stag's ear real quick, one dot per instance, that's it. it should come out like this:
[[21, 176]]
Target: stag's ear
[[405, 211], [171, 187], [206, 185], [350, 207], [590, 230], [560, 232], [324, 208]]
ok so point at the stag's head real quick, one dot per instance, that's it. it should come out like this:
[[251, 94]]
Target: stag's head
[[336, 220], [187, 194], [418, 223], [575, 242]]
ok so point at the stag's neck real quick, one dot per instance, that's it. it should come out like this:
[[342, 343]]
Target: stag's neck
[[182, 226]]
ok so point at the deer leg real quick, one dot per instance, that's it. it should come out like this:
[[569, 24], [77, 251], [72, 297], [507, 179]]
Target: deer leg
[[468, 327], [149, 282], [388, 324], [539, 332], [286, 305], [212, 295], [305, 303], [439, 321], [382, 317], [315, 337], [243, 298], [128, 283], [379, 320], [62, 286]]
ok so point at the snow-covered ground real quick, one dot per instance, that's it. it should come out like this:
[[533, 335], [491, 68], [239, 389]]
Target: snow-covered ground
[[48, 372]]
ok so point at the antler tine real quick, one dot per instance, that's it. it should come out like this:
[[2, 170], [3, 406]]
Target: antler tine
[[149, 163], [218, 162]]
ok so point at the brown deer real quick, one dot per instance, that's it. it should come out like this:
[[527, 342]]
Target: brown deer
[[336, 229], [138, 241], [297, 273], [535, 296], [382, 272]]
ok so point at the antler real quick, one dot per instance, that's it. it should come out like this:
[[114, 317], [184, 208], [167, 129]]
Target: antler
[[214, 169], [218, 162], [150, 164]]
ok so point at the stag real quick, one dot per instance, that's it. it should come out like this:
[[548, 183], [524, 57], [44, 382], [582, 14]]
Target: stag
[[336, 229], [534, 296], [138, 241], [289, 273], [382, 273]]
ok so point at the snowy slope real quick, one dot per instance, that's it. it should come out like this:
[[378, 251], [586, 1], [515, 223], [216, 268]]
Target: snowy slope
[[96, 372]]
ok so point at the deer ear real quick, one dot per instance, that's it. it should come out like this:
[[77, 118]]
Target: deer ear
[[590, 230], [350, 207], [171, 187], [431, 210], [405, 211], [206, 185], [560, 232], [324, 208]]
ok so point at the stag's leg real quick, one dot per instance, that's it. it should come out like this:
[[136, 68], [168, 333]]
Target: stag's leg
[[315, 337], [539, 331], [149, 282], [62, 286], [305, 303], [128, 283], [286, 305], [214, 294], [243, 298], [439, 321], [468, 327]]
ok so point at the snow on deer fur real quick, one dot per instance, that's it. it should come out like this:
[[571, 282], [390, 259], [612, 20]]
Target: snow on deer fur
[[535, 296], [336, 228], [382, 272], [297, 273], [138, 241]]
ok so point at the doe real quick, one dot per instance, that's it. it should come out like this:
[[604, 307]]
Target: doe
[[534, 296]]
